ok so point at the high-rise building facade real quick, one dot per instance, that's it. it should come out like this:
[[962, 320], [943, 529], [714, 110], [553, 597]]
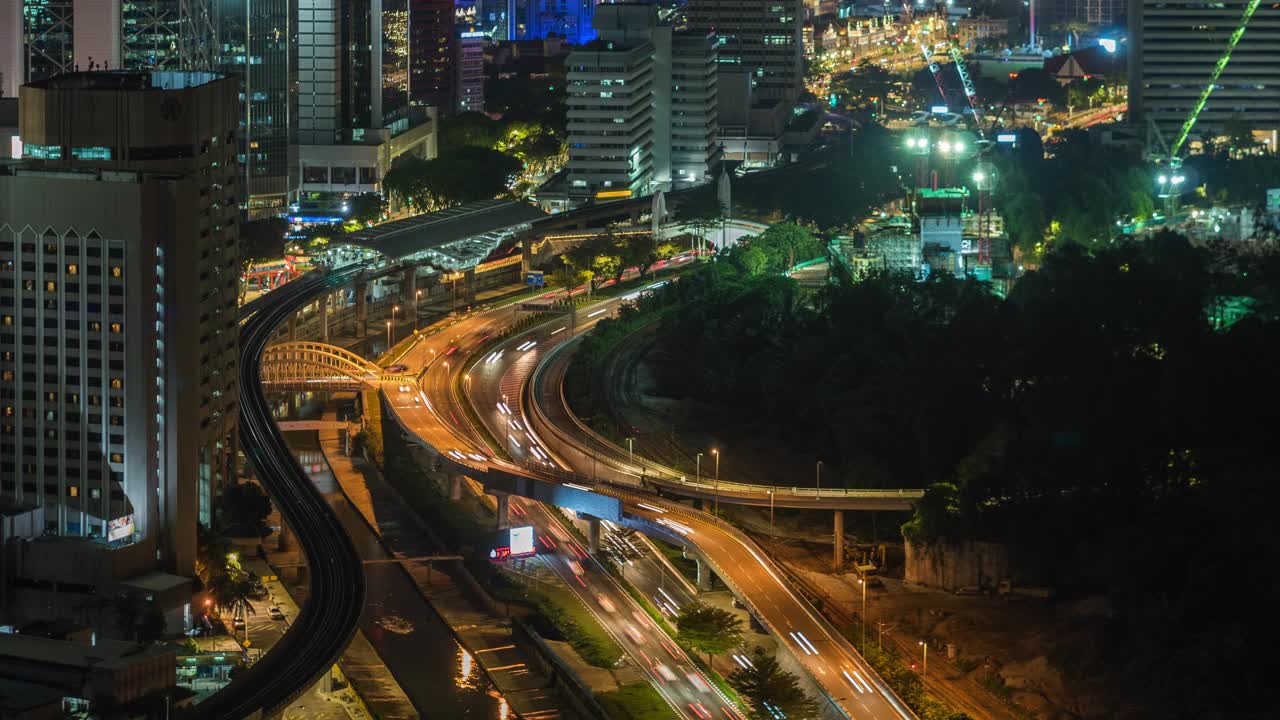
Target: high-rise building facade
[[642, 106], [1173, 47], [255, 46], [470, 84], [118, 307], [431, 53], [761, 37], [62, 36]]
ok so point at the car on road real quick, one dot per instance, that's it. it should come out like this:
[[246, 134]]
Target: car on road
[[397, 368], [606, 603], [238, 623], [699, 710], [634, 634], [664, 672], [275, 612]]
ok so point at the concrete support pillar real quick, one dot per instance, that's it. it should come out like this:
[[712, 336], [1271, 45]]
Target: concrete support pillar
[[455, 487], [322, 311], [839, 539], [593, 535], [293, 327], [504, 510], [704, 575], [362, 310], [409, 295], [284, 540], [469, 286]]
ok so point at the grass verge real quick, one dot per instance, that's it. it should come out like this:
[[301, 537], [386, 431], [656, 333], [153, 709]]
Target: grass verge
[[904, 682], [638, 701]]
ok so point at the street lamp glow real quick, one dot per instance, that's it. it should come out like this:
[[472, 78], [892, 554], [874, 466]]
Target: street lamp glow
[[959, 146], [1178, 179], [945, 146], [1163, 179], [979, 176]]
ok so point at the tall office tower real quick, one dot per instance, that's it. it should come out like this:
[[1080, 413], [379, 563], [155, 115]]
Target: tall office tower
[[642, 106], [118, 308], [1173, 46], [360, 63], [570, 19], [431, 54], [395, 56], [471, 71], [760, 37], [254, 47], [42, 38]]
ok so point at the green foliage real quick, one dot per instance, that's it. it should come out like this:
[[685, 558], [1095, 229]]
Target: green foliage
[[768, 690], [1083, 188], [638, 701], [367, 208], [708, 629], [907, 685], [562, 609], [777, 249], [862, 87], [459, 175]]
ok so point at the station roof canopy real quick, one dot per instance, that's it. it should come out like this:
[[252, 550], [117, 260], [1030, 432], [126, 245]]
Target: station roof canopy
[[453, 237]]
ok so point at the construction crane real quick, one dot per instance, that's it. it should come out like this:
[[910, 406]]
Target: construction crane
[[969, 92], [1169, 153]]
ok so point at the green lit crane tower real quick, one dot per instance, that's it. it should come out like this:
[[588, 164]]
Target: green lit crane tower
[[1167, 155]]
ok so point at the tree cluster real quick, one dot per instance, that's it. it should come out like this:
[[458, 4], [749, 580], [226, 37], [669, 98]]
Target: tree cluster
[[458, 175], [769, 690], [539, 147], [1100, 421], [1075, 196]]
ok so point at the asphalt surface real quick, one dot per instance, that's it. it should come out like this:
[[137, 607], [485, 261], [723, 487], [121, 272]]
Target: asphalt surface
[[325, 624]]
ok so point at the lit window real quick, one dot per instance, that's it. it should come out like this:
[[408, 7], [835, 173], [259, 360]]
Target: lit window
[[73, 491], [8, 320], [42, 152], [116, 383], [95, 326], [50, 286], [73, 269], [91, 153], [117, 457], [117, 271], [117, 328]]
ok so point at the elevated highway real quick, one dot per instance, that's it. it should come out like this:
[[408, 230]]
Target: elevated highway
[[327, 621], [469, 409]]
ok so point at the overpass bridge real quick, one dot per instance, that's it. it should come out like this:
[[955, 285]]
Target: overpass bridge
[[320, 366]]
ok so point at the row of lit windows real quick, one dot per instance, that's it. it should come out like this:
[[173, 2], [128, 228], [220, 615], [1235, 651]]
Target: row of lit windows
[[94, 325], [54, 152]]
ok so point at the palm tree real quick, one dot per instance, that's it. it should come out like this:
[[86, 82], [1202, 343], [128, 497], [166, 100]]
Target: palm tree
[[231, 595]]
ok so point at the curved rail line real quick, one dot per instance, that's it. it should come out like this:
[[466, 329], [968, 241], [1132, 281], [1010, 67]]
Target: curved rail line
[[335, 599]]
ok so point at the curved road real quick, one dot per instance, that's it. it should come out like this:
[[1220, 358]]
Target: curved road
[[328, 619], [435, 413]]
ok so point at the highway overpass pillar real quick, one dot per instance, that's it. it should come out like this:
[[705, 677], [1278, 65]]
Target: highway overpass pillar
[[704, 574], [362, 310], [593, 535], [293, 327], [409, 294], [283, 541], [504, 507], [839, 539], [469, 286], [322, 312], [455, 487]]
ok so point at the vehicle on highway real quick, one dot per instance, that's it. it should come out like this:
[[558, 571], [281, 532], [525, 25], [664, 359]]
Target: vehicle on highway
[[398, 368], [699, 710], [575, 566], [238, 623], [634, 634], [664, 672], [696, 680], [606, 603], [275, 612]]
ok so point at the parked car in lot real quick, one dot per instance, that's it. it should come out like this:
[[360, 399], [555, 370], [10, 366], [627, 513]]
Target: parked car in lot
[[275, 612]]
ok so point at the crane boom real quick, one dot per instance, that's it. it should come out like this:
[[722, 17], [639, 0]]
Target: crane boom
[[1213, 78], [969, 92]]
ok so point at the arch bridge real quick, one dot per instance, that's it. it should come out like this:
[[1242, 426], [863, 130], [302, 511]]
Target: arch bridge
[[320, 366]]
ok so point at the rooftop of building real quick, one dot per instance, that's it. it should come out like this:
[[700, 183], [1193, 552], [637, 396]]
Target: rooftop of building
[[17, 697], [158, 582], [102, 654], [402, 238], [128, 80]]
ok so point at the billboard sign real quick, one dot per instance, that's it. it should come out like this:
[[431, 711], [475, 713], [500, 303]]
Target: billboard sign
[[519, 544], [535, 278], [120, 528]]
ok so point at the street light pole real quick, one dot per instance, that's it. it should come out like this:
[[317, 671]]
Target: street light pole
[[817, 471], [863, 582], [631, 454], [773, 537], [388, 335], [394, 309], [925, 669], [697, 468], [716, 510]]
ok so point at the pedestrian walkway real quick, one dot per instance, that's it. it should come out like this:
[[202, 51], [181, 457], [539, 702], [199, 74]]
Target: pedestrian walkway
[[485, 632]]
